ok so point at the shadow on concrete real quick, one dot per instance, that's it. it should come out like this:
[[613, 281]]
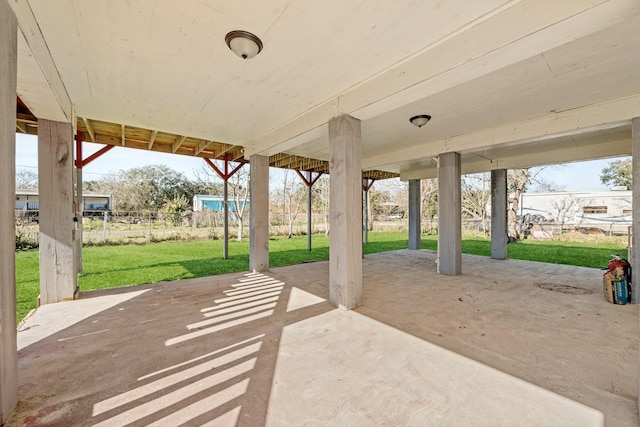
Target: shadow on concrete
[[193, 354], [267, 349]]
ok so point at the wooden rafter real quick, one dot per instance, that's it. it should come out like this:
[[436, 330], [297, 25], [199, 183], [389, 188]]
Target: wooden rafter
[[114, 134], [202, 145], [377, 175], [178, 143], [283, 161], [89, 126], [236, 155], [223, 149], [152, 139]]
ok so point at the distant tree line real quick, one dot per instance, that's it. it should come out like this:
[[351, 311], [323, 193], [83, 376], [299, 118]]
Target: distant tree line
[[150, 188], [160, 188]]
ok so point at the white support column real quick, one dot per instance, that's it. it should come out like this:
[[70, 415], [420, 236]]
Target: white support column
[[58, 273], [8, 346], [415, 229], [499, 214], [449, 215], [634, 256], [259, 214], [345, 204]]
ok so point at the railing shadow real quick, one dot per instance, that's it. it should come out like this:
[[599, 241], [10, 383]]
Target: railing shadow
[[202, 353]]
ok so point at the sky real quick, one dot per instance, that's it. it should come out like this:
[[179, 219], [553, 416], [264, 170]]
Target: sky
[[580, 176]]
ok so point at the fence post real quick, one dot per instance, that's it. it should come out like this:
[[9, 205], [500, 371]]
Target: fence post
[[104, 227]]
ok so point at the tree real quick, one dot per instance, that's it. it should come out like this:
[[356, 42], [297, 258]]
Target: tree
[[26, 180], [321, 199], [542, 185], [617, 173], [565, 208], [174, 208], [379, 200], [476, 195], [517, 181], [389, 197], [290, 198], [144, 188], [239, 192], [429, 200]]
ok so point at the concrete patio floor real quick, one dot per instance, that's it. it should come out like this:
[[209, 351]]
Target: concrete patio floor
[[507, 343]]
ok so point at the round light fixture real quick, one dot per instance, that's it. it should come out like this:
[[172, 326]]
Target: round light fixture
[[243, 43], [420, 120]]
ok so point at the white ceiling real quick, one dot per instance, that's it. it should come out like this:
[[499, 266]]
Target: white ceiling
[[494, 74]]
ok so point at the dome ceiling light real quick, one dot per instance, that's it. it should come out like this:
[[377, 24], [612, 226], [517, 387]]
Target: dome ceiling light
[[243, 43], [420, 120]]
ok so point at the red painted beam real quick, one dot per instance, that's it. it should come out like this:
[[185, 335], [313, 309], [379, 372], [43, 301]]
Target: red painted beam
[[97, 154], [308, 180], [226, 174], [367, 183]]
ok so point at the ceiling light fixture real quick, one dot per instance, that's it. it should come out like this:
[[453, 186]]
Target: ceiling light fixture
[[420, 120], [243, 43]]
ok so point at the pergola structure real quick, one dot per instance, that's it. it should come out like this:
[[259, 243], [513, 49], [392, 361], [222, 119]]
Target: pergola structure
[[508, 84]]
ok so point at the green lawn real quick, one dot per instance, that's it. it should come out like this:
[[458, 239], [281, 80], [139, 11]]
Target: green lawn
[[113, 266]]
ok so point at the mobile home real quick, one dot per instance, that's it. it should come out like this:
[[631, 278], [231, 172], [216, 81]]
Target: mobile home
[[607, 211], [28, 200]]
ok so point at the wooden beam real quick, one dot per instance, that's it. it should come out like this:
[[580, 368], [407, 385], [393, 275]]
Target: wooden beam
[[32, 33], [89, 126], [201, 147], [123, 134], [283, 161], [95, 155], [152, 139], [236, 155], [225, 148], [178, 143], [22, 129]]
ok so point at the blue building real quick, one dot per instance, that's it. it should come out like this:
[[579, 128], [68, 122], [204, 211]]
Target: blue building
[[205, 202]]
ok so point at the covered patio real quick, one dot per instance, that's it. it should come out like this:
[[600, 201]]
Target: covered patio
[[344, 88], [492, 346]]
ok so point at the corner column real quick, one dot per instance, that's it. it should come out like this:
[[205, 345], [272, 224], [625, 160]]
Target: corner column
[[449, 215], [8, 333], [634, 257], [499, 214], [635, 205], [259, 214], [414, 214], [345, 205], [58, 273]]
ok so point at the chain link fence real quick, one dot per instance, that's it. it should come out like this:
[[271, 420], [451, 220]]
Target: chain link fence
[[111, 228]]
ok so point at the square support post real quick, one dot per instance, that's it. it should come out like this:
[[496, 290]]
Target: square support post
[[345, 205], [499, 214], [8, 332], [259, 214], [415, 229], [634, 256], [58, 273], [449, 214]]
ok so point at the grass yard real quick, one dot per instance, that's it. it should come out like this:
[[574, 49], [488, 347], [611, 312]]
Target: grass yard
[[113, 266]]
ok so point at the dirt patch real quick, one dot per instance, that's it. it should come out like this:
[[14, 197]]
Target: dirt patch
[[564, 289]]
